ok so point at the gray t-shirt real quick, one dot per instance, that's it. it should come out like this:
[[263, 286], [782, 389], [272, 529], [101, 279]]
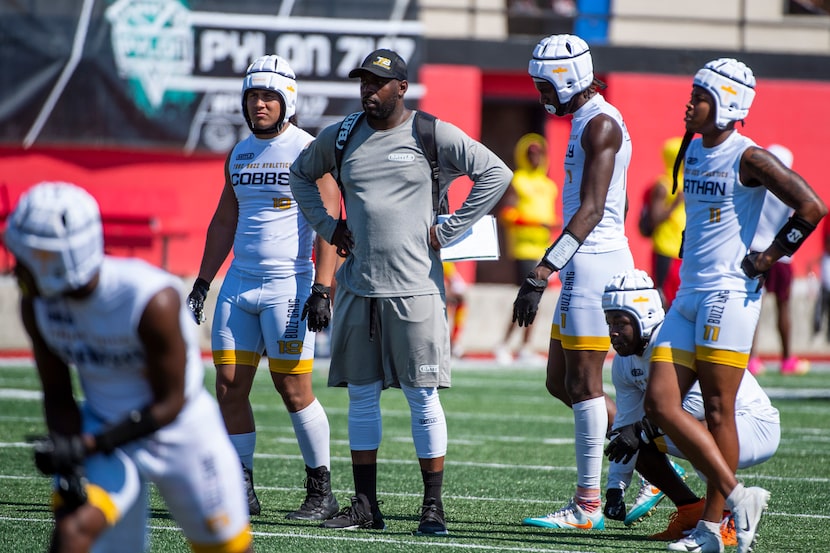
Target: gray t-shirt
[[388, 197]]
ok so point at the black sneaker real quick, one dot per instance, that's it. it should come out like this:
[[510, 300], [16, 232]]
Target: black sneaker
[[614, 504], [358, 515], [253, 502], [319, 503], [432, 520]]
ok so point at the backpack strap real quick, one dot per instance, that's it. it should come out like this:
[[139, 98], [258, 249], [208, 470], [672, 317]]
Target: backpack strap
[[425, 131], [343, 134]]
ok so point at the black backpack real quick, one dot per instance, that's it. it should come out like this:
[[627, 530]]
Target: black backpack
[[424, 131]]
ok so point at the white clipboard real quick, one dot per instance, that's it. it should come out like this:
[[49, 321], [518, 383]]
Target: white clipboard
[[480, 242]]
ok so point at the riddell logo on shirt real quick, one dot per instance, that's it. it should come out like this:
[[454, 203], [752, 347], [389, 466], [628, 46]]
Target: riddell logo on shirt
[[401, 157], [428, 369]]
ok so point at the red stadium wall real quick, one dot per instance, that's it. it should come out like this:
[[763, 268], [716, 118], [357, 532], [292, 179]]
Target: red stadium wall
[[183, 190], [654, 107]]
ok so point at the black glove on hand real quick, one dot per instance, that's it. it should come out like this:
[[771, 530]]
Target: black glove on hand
[[625, 442], [342, 239], [64, 456], [72, 489], [318, 308], [748, 267], [196, 299], [527, 300], [59, 454]]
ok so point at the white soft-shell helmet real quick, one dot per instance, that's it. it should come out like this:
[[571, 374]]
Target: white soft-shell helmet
[[633, 292], [565, 62], [271, 73], [55, 232], [733, 86]]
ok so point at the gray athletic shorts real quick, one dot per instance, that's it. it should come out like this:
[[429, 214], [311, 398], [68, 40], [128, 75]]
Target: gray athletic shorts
[[401, 340]]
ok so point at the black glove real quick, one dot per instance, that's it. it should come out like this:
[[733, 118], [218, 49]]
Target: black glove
[[58, 453], [625, 442], [72, 489], [196, 299], [318, 308], [342, 239], [748, 267], [527, 300], [63, 456]]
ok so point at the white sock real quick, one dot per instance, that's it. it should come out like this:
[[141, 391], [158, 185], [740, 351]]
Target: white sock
[[735, 496], [244, 444], [311, 425], [590, 424]]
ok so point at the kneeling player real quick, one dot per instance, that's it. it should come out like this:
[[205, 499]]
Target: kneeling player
[[634, 314]]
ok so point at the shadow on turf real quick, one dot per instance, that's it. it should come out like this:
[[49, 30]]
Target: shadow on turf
[[29, 507], [496, 535]]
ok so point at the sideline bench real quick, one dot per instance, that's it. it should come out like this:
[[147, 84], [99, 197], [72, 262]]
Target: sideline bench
[[137, 230], [129, 231]]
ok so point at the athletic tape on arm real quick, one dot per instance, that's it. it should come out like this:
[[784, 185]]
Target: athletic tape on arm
[[558, 255]]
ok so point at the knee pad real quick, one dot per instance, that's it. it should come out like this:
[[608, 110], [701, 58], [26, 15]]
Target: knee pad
[[429, 427], [365, 428]]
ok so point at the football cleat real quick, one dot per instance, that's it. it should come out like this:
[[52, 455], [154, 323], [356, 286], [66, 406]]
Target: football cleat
[[319, 503], [648, 497], [700, 540], [756, 366], [253, 501], [747, 505], [571, 516], [727, 530], [359, 515], [681, 522], [432, 521], [614, 504]]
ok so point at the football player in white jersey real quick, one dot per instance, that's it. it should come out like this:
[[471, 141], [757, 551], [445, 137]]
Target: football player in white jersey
[[271, 285], [634, 314], [146, 415], [591, 249], [707, 334]]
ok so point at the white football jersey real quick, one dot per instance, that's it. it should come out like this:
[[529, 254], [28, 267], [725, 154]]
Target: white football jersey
[[272, 236], [98, 335], [609, 234], [721, 216]]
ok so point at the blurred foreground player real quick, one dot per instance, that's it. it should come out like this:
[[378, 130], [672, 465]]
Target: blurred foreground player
[[146, 417]]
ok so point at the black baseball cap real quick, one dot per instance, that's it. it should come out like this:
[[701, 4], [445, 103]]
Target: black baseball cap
[[383, 63]]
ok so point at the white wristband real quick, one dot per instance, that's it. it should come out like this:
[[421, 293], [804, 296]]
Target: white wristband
[[561, 251]]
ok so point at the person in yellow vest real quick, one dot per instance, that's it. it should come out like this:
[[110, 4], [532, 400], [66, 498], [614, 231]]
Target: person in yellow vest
[[455, 288], [668, 219], [528, 217]]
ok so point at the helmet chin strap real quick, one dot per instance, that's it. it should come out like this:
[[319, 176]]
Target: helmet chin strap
[[278, 128]]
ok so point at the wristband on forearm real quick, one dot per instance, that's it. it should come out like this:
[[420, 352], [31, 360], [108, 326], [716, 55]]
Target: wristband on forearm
[[136, 425], [793, 234], [558, 255]]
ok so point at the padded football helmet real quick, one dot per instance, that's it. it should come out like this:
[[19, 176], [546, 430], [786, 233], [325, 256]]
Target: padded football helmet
[[565, 62], [633, 292], [55, 231], [732, 84], [271, 73]]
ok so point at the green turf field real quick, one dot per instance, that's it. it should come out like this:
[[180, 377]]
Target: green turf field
[[510, 456]]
